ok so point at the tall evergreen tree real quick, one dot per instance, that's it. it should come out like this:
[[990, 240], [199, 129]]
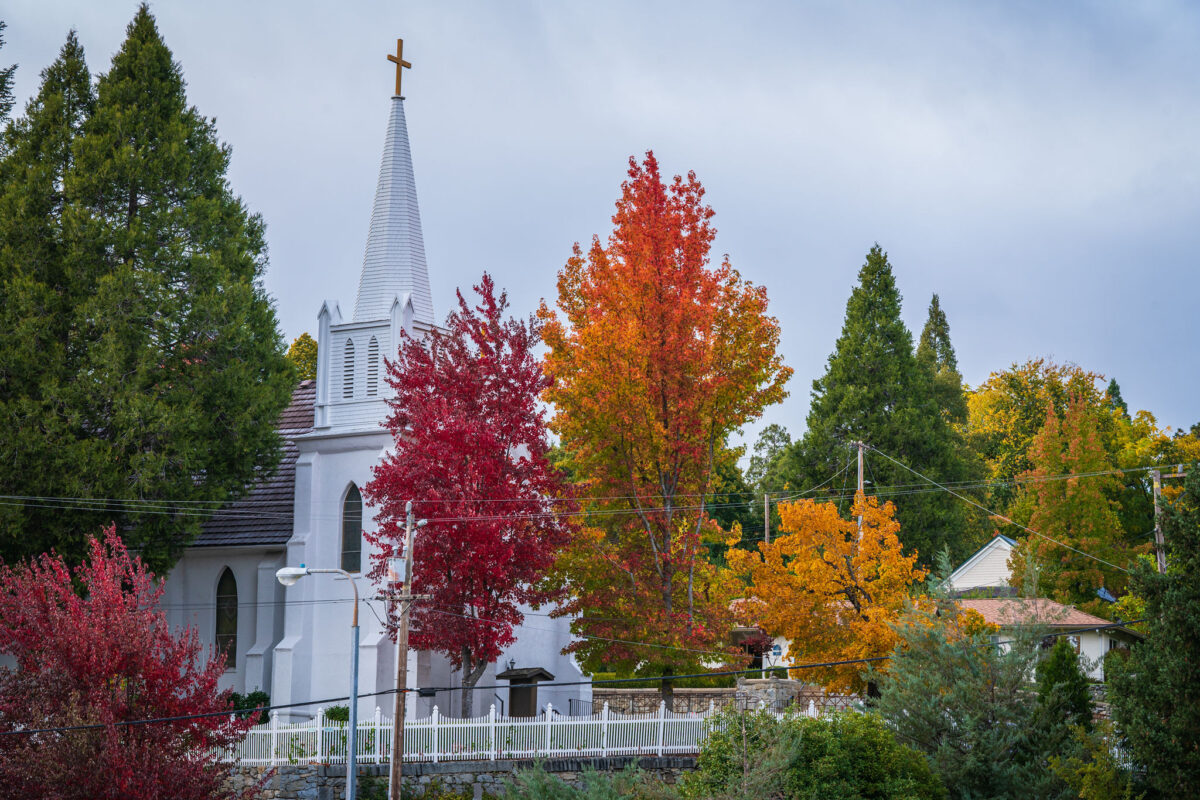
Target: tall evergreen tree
[[1113, 399], [875, 390], [1154, 692], [937, 354], [167, 372], [6, 80]]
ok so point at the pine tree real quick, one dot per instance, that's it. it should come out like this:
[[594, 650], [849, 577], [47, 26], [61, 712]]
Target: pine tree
[[937, 354], [6, 80], [1154, 693], [1113, 399], [164, 371], [875, 390], [1063, 687]]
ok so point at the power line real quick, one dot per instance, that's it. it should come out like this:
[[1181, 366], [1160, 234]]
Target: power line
[[220, 508], [229, 712], [997, 514]]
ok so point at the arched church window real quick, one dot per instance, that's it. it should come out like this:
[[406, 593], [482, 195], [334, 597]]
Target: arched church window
[[373, 367], [348, 371], [352, 530], [227, 611]]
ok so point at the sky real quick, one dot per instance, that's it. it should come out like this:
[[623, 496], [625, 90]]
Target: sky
[[1035, 164]]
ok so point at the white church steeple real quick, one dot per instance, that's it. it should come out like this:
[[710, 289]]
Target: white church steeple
[[394, 264]]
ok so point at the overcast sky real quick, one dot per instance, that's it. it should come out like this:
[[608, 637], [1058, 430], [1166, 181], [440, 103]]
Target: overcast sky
[[1036, 164]]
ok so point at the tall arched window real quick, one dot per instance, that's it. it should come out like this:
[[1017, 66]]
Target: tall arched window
[[373, 367], [352, 530], [227, 611], [348, 371]]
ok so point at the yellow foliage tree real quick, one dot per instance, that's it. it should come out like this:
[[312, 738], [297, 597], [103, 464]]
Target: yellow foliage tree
[[832, 593]]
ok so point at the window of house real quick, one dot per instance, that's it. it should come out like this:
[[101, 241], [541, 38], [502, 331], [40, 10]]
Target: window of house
[[348, 371], [352, 531], [227, 611], [373, 367]]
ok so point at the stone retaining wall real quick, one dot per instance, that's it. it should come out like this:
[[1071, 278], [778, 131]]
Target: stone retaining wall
[[473, 779], [645, 701]]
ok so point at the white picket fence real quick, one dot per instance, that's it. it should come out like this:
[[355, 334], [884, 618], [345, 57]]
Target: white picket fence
[[494, 736]]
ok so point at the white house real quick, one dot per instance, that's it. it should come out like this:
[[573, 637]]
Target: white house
[[981, 583], [295, 643]]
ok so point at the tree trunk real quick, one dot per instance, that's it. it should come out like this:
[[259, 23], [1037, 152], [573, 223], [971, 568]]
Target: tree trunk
[[668, 688], [471, 674]]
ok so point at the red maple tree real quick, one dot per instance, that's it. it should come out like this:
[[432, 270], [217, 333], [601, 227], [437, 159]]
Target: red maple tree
[[92, 648], [471, 453]]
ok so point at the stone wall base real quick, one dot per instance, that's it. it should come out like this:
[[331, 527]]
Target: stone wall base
[[473, 779]]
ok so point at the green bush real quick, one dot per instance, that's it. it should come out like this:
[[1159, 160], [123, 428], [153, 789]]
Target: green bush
[[246, 703], [631, 783], [846, 756]]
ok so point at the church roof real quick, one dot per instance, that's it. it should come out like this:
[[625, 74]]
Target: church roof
[[264, 516], [394, 262]]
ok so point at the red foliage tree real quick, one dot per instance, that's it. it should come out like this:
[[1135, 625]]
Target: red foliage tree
[[471, 453], [657, 356], [91, 648]]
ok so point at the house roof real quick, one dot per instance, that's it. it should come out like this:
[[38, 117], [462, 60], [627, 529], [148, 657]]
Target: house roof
[[264, 516], [1033, 611]]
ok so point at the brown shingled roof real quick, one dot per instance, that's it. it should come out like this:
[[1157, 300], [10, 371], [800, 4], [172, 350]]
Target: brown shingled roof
[[1038, 611], [264, 516]]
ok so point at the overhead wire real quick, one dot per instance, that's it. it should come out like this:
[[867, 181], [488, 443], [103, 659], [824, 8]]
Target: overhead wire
[[997, 514], [434, 690]]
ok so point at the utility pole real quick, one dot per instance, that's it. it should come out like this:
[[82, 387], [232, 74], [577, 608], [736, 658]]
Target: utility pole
[[405, 600], [1160, 544], [766, 517], [1160, 551], [861, 446]]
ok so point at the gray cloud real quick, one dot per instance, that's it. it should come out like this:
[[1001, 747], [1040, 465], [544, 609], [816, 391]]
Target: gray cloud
[[1036, 164]]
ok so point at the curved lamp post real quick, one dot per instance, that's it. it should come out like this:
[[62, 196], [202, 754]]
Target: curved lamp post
[[288, 577]]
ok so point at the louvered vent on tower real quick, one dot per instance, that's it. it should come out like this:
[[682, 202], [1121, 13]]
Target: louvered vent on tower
[[373, 367], [348, 371]]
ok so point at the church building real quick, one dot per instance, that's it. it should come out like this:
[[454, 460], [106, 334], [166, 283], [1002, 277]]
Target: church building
[[294, 644]]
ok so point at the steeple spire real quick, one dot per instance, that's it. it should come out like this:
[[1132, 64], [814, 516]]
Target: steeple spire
[[394, 263]]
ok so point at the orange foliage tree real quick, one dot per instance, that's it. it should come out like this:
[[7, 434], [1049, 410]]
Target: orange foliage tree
[[1076, 511], [655, 357], [835, 595]]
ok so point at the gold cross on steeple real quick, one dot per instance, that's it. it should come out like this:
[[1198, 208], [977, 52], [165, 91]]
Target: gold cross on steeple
[[400, 63]]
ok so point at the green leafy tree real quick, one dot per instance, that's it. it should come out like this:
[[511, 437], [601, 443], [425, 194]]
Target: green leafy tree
[[303, 355], [1008, 409], [161, 369], [1154, 693], [772, 443], [875, 390]]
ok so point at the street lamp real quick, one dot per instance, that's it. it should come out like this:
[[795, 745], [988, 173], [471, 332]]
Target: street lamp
[[288, 577]]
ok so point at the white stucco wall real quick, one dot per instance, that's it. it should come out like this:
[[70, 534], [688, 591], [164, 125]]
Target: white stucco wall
[[190, 596]]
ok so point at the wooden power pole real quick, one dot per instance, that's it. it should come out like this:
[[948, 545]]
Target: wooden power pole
[[1160, 544], [861, 446], [766, 517], [400, 709]]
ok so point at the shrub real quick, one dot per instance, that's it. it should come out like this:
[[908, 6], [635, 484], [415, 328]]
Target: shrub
[[631, 783], [846, 756]]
